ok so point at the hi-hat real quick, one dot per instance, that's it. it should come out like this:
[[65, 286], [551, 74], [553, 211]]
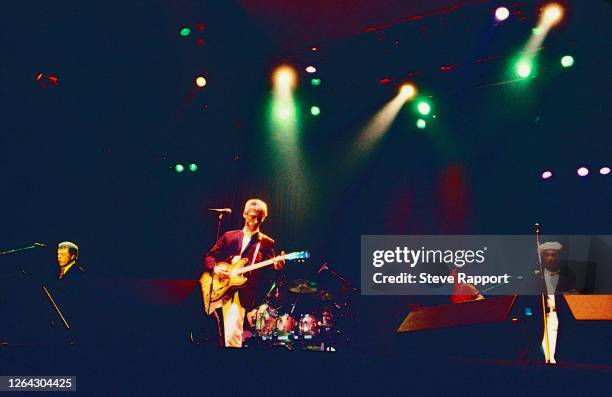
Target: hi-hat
[[302, 286]]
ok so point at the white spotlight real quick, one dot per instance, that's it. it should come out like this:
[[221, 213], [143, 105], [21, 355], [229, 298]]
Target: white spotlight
[[284, 77], [407, 91], [552, 14], [502, 13]]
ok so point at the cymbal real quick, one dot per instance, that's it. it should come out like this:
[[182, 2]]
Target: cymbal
[[302, 286], [323, 295]]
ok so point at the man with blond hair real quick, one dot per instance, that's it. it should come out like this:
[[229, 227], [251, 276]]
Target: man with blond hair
[[250, 243]]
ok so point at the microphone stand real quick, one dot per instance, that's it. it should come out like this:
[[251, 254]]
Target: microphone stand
[[220, 338], [543, 296], [344, 281], [56, 307], [220, 219], [345, 284]]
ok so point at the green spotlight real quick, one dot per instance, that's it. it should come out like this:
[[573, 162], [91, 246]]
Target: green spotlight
[[193, 167], [567, 61], [523, 69], [421, 124], [315, 111], [185, 32], [424, 108], [316, 82], [179, 168], [284, 114]]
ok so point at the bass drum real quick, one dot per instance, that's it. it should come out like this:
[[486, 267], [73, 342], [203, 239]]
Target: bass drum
[[285, 324]]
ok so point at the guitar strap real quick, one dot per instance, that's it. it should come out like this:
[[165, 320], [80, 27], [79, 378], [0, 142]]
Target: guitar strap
[[256, 252], [246, 248]]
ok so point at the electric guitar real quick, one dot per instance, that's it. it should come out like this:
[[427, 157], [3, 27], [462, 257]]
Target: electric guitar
[[216, 286]]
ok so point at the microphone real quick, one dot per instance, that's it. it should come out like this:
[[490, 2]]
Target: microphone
[[537, 228], [221, 210], [39, 245], [323, 267]]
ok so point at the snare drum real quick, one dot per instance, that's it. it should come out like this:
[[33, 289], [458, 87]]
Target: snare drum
[[308, 325], [265, 320], [285, 324]]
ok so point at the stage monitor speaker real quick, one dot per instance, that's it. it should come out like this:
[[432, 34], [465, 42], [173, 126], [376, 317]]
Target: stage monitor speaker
[[491, 310], [590, 307]]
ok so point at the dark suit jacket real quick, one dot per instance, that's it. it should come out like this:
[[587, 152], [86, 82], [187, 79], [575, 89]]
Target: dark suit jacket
[[73, 296], [260, 280], [67, 291], [567, 281]]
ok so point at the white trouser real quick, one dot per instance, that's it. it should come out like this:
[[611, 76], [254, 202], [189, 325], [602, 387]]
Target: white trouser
[[552, 328], [233, 321]]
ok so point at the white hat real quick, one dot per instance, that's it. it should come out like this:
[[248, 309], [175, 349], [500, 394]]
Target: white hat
[[551, 245]]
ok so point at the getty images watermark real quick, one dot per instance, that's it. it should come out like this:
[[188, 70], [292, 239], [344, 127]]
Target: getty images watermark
[[495, 265]]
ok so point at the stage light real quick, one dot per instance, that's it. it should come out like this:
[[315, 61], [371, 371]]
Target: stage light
[[315, 110], [523, 69], [528, 311], [316, 82], [310, 69], [551, 14], [193, 167], [502, 13], [284, 107], [200, 81], [407, 91], [179, 168], [547, 175], [424, 108], [185, 32], [583, 171], [284, 77], [421, 124], [604, 171], [567, 61]]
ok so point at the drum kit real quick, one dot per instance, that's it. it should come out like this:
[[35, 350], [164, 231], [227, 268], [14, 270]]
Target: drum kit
[[310, 320]]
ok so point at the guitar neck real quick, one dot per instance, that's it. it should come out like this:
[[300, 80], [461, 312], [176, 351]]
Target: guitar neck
[[259, 265]]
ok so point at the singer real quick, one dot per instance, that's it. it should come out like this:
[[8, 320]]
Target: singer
[[70, 291], [249, 243]]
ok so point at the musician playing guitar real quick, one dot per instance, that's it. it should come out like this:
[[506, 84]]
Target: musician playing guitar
[[253, 245]]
